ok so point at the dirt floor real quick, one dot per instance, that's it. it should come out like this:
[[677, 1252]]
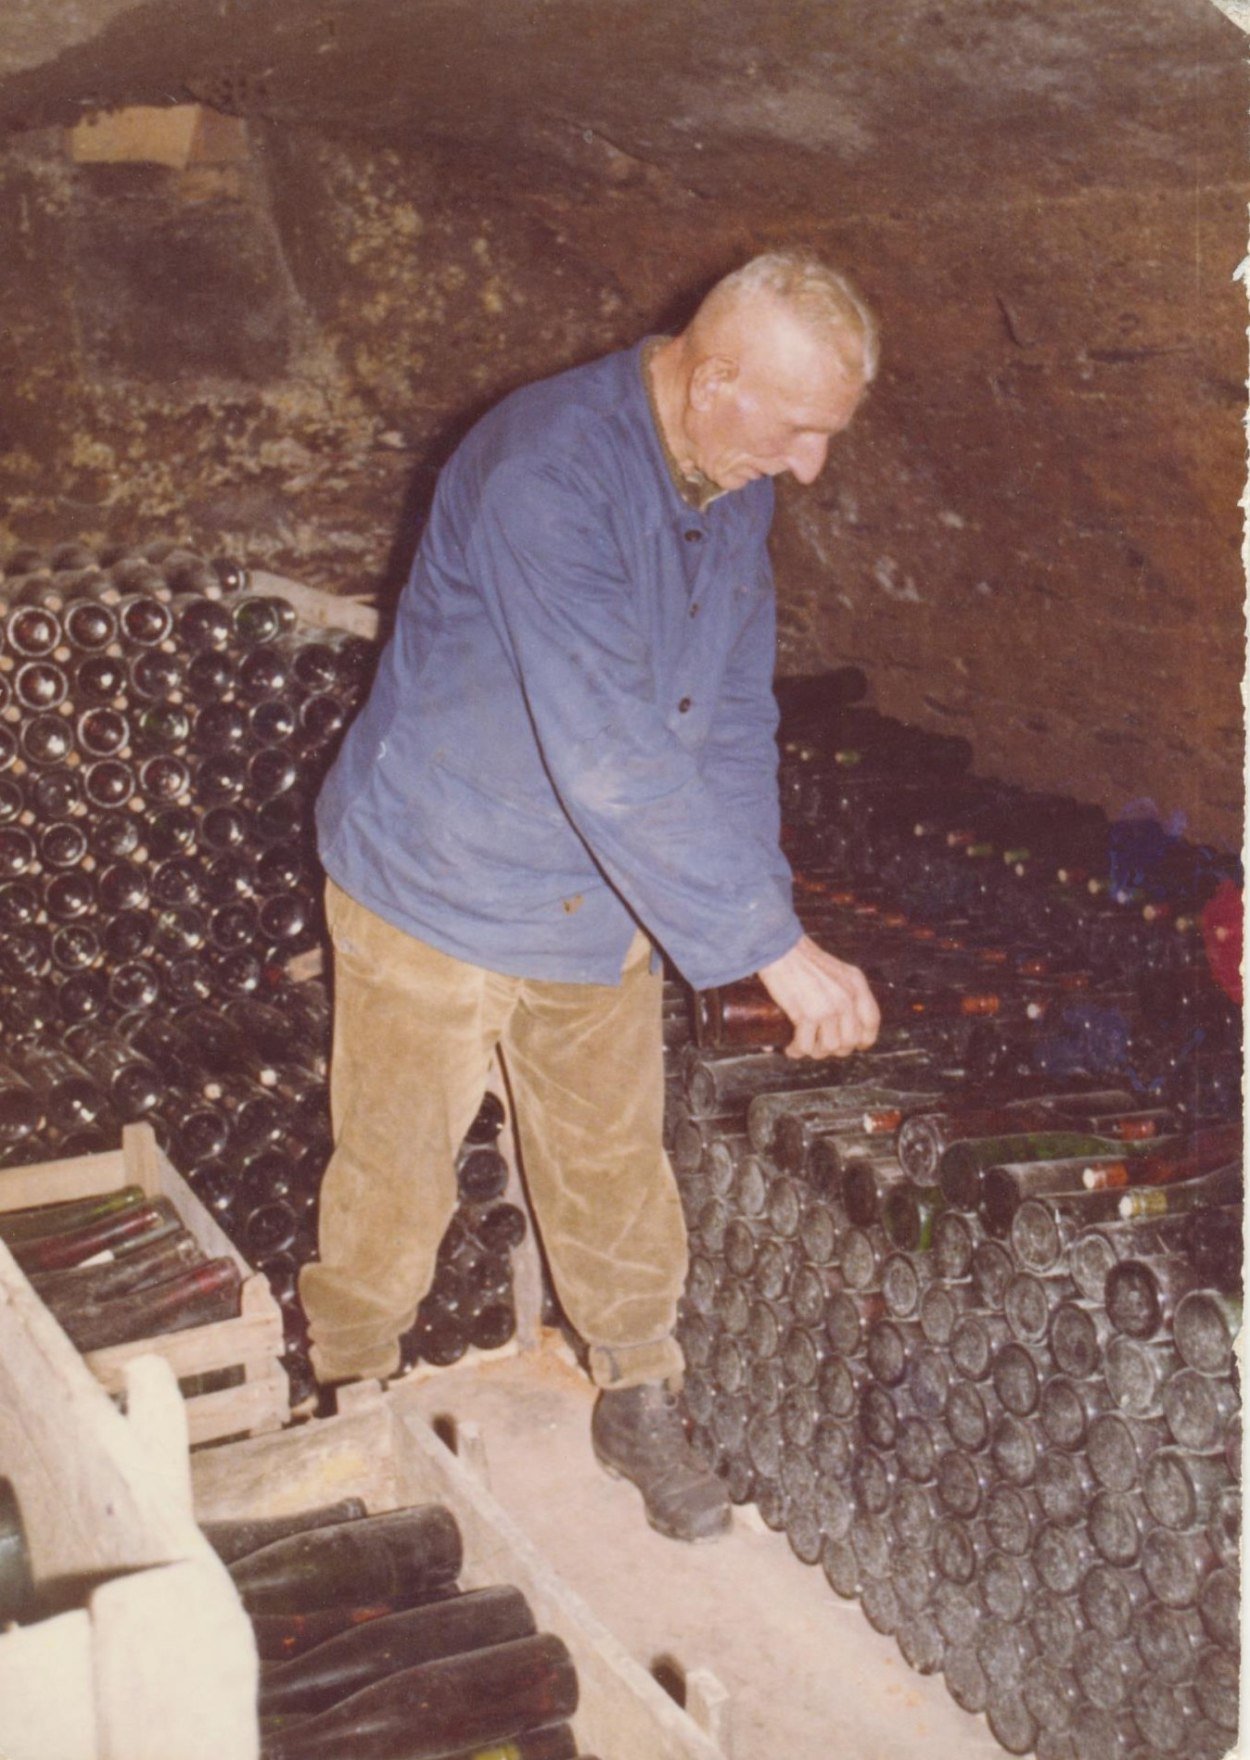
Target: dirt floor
[[808, 1677]]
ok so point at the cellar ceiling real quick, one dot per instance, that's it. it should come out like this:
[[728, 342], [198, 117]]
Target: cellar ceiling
[[924, 100], [1031, 534]]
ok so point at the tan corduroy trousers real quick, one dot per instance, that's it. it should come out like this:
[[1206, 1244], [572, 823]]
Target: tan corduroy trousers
[[414, 1034]]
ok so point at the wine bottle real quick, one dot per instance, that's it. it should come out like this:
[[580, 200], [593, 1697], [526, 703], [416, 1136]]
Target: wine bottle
[[197, 1296], [17, 1588], [398, 1557], [484, 1696], [142, 1266], [355, 1659], [138, 1222], [234, 1539], [36, 1222]]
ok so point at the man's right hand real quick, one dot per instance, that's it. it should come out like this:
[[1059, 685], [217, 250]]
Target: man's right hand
[[833, 1010]]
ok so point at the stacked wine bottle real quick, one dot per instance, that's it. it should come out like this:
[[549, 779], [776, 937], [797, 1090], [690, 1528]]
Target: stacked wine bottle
[[163, 733], [960, 1311]]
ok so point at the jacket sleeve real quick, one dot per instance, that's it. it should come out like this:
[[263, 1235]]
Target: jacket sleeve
[[739, 762], [688, 857]]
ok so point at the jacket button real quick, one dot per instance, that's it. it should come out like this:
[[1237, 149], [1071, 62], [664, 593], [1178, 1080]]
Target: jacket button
[[693, 536], [684, 706], [694, 609]]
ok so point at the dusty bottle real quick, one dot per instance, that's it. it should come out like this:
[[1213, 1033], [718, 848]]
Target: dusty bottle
[[925, 1136], [440, 1707], [964, 1164], [398, 1557], [41, 1221], [135, 1223], [345, 1664], [195, 1297], [1199, 1153], [63, 1291]]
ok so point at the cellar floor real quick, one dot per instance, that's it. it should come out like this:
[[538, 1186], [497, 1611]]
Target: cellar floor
[[808, 1677]]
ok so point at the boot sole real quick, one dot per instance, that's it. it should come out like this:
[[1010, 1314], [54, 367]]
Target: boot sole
[[668, 1533]]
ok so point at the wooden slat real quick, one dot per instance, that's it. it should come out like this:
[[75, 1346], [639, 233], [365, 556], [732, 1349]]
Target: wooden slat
[[197, 1349], [56, 1182], [252, 1408], [253, 1342], [318, 1462]]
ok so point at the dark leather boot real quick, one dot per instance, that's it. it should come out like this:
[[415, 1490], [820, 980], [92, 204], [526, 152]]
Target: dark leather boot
[[638, 1435]]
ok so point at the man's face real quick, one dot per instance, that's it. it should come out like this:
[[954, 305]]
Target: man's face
[[773, 409]]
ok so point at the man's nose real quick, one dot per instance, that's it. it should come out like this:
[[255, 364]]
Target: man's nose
[[806, 458]]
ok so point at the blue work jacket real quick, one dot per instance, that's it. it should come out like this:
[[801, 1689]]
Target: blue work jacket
[[572, 727]]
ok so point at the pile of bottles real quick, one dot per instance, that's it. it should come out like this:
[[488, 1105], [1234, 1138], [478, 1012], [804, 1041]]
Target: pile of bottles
[[120, 1266], [163, 733], [960, 1312], [368, 1645]]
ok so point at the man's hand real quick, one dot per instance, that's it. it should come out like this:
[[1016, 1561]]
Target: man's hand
[[833, 1010]]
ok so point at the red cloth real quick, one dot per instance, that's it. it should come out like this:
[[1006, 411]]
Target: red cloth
[[1222, 936]]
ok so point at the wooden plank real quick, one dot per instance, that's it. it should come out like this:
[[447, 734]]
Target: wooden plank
[[322, 610], [196, 1350], [47, 1691], [150, 1163], [251, 1408], [318, 1462], [175, 1666], [157, 1419], [622, 1712], [56, 1182]]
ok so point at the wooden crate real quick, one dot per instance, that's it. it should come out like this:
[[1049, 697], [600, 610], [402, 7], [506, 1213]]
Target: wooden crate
[[154, 1658], [389, 1456], [251, 1344]]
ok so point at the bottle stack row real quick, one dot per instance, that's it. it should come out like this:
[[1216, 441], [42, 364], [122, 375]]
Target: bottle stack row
[[960, 1312], [163, 733]]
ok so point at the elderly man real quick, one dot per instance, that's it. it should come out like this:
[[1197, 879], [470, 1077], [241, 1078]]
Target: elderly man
[[567, 762]]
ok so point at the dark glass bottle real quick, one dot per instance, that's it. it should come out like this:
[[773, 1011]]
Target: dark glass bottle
[[134, 1222], [472, 1700], [109, 783], [353, 1660], [62, 844], [68, 1096], [201, 623], [46, 739], [165, 778], [260, 618], [144, 619], [89, 624], [198, 1296], [233, 1540], [40, 685], [75, 948], [155, 675], [397, 1558], [32, 631]]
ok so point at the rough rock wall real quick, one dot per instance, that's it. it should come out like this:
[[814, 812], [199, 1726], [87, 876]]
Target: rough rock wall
[[1030, 535]]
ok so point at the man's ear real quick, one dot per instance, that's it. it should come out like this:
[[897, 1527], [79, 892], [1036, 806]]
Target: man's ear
[[713, 376]]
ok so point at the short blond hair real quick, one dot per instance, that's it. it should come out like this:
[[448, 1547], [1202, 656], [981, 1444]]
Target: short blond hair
[[820, 296]]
